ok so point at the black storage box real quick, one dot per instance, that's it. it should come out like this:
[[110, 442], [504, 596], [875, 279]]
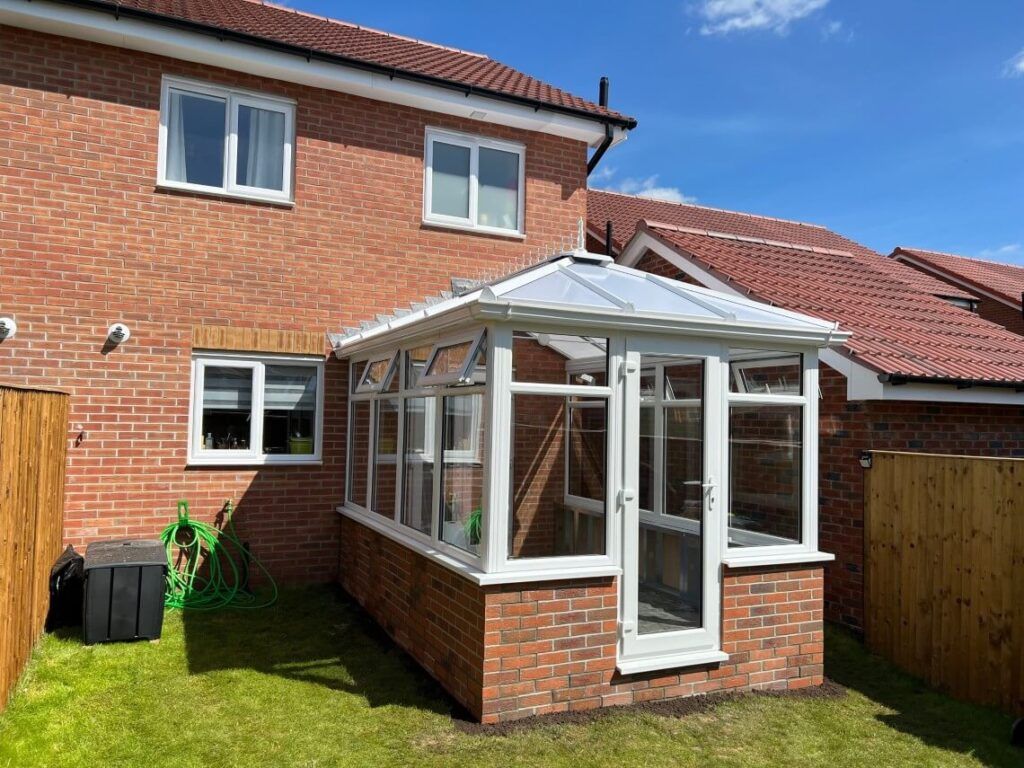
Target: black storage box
[[124, 590]]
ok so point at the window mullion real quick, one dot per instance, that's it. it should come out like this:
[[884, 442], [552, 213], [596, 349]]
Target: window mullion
[[474, 182], [256, 419], [435, 511], [399, 454], [230, 141]]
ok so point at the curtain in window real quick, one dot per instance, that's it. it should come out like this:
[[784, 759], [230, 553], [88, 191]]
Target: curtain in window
[[176, 139], [195, 139], [260, 148], [498, 200]]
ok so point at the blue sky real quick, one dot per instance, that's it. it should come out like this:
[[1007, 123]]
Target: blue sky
[[894, 122]]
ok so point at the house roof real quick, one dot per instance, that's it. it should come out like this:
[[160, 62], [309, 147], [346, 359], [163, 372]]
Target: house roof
[[578, 290], [1004, 281], [395, 55], [900, 325]]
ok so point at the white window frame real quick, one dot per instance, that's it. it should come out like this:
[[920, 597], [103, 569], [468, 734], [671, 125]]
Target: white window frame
[[203, 457], [462, 377], [233, 98], [473, 144], [762, 548]]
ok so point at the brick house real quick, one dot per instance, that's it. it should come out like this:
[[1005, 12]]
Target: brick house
[[921, 371], [525, 481], [996, 289]]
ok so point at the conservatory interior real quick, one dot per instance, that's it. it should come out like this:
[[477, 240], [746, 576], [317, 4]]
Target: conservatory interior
[[580, 419]]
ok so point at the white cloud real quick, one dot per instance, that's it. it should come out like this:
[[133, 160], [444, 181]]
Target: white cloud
[[1015, 66], [724, 16], [1008, 252], [648, 187]]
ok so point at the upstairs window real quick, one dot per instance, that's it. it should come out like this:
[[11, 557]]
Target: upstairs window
[[473, 183], [225, 141]]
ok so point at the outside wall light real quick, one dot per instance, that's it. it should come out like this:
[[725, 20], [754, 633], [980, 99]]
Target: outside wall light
[[865, 459], [118, 333], [7, 327]]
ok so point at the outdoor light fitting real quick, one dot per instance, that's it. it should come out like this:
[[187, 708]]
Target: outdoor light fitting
[[118, 333], [7, 327]]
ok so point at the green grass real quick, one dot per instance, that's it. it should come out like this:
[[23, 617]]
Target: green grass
[[311, 683]]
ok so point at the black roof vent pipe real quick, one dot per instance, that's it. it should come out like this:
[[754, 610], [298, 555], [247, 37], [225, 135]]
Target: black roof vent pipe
[[609, 132]]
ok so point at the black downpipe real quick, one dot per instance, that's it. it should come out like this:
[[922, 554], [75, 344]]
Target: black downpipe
[[608, 238], [609, 134]]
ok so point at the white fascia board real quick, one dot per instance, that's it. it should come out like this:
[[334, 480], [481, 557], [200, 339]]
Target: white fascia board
[[103, 27]]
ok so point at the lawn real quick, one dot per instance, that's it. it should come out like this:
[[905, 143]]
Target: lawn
[[311, 682]]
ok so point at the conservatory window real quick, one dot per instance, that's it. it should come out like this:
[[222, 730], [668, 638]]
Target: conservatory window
[[255, 410], [385, 456], [456, 361], [462, 472], [378, 375], [222, 140], [473, 182], [767, 462], [418, 463]]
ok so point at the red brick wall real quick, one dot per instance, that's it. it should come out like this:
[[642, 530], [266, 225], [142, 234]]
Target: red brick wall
[[848, 428], [513, 651], [87, 240], [551, 647], [435, 615]]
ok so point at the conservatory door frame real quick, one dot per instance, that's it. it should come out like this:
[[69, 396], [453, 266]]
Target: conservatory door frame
[[639, 652]]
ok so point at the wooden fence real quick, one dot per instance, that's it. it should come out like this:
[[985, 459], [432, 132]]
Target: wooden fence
[[33, 448], [945, 572]]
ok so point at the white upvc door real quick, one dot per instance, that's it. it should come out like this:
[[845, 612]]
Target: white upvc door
[[674, 420]]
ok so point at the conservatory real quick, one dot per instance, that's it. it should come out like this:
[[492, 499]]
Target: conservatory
[[585, 422]]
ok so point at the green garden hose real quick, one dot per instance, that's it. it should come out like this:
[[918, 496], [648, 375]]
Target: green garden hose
[[206, 565]]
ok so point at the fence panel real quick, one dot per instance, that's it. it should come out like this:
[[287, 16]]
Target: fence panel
[[945, 572], [33, 449]]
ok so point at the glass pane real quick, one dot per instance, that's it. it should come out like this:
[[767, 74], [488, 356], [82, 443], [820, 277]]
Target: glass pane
[[765, 464], [377, 374], [450, 359], [418, 464], [684, 380], [648, 441], [670, 580], [260, 161], [648, 384], [764, 373], [195, 139], [449, 194], [543, 523], [415, 359], [359, 453], [545, 357], [498, 198], [385, 459], [227, 408], [289, 409], [462, 471], [588, 430], [684, 462]]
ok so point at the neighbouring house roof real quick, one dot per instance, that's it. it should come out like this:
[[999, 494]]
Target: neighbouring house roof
[[391, 54], [1002, 281], [579, 289], [901, 327]]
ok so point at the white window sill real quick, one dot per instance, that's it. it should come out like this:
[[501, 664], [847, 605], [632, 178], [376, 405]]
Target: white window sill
[[655, 663], [790, 558], [251, 461], [494, 231], [473, 573], [191, 189]]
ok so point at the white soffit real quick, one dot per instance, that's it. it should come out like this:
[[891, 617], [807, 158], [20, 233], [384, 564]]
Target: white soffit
[[103, 27]]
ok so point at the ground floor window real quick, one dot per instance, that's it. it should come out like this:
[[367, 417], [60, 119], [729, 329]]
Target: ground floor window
[[255, 410]]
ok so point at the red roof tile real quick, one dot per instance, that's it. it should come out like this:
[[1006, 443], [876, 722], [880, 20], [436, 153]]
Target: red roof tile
[[899, 325], [1003, 280], [369, 46]]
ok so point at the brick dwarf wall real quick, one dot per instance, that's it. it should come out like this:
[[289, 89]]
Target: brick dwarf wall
[[848, 428], [513, 651], [87, 240]]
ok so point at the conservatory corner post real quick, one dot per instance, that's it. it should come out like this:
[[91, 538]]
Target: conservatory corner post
[[499, 431], [809, 508]]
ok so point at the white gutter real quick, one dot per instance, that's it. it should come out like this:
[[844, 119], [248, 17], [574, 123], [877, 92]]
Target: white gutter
[[104, 27]]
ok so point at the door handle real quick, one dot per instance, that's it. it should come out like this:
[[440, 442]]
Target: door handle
[[626, 495]]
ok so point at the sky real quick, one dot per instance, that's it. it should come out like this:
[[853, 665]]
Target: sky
[[893, 122]]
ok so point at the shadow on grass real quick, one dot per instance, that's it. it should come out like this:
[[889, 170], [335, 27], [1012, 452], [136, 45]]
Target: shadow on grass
[[313, 635], [917, 710]]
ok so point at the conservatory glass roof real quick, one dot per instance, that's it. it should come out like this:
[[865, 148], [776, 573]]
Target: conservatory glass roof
[[590, 289]]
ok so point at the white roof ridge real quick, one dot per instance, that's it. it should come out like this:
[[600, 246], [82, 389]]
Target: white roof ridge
[[747, 239], [761, 216]]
